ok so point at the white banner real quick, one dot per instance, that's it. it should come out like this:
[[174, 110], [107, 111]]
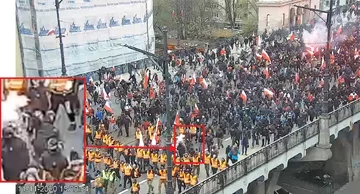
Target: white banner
[[93, 31]]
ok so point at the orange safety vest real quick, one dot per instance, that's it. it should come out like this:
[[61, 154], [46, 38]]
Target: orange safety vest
[[182, 130], [214, 162], [137, 135], [207, 159], [88, 130], [127, 171], [186, 160], [196, 159], [173, 172], [115, 165], [135, 187], [146, 154], [162, 174], [223, 165], [98, 135], [121, 149], [193, 180], [187, 178], [177, 161], [139, 153], [163, 159], [98, 157], [15, 84], [91, 156], [154, 158], [193, 130], [181, 175], [150, 175]]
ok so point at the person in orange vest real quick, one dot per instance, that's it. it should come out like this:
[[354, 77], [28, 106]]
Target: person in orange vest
[[214, 164], [223, 164], [187, 179], [207, 163], [180, 179], [89, 135], [194, 179], [136, 172], [163, 178], [140, 158], [91, 160], [146, 155], [135, 187], [163, 158], [154, 159], [174, 173], [150, 178], [98, 159], [98, 137], [196, 163], [127, 175]]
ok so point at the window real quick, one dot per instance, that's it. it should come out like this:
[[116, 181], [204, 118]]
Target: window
[[267, 20], [216, 14], [283, 19]]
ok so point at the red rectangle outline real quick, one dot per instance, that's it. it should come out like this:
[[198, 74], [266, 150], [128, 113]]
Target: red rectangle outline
[[202, 144], [84, 127]]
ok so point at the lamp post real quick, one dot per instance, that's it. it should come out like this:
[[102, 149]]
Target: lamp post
[[166, 75], [63, 68], [325, 102]]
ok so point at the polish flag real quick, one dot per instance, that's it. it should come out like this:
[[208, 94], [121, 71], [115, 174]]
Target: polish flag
[[146, 79], [258, 56], [297, 77], [177, 119], [268, 93], [243, 96], [265, 55], [193, 79], [291, 37], [204, 84], [141, 142], [195, 112], [155, 138], [152, 93], [108, 108], [266, 72], [105, 95], [51, 32]]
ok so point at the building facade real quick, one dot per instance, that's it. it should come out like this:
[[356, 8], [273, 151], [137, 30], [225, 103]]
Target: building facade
[[274, 14], [19, 66]]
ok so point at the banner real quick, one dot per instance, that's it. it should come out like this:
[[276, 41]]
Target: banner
[[93, 32]]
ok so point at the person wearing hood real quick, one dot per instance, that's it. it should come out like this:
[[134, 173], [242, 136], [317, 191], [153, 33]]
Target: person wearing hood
[[234, 154]]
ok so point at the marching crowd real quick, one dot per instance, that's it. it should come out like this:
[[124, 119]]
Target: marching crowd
[[274, 85]]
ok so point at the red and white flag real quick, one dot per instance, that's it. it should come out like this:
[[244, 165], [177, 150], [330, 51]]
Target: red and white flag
[[265, 56], [323, 63], [243, 96], [268, 93], [177, 119], [266, 72], [105, 95], [195, 112], [258, 56], [155, 138], [193, 79], [51, 32], [141, 141], [146, 79], [108, 108]]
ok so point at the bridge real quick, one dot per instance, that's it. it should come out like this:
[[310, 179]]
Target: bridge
[[309, 143]]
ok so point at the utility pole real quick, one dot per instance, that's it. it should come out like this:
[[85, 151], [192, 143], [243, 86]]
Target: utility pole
[[147, 27], [169, 129], [178, 21], [323, 148], [63, 68], [166, 75]]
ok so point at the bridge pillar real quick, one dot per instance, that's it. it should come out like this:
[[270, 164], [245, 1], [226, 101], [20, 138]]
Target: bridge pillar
[[321, 152], [256, 187], [271, 183]]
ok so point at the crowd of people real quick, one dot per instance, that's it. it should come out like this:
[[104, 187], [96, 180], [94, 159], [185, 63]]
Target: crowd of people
[[32, 149], [272, 86]]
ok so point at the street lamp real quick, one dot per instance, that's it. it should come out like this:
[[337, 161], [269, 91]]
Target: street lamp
[[325, 106], [166, 75], [63, 68]]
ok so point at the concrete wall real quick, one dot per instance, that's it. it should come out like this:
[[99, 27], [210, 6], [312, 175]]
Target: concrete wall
[[346, 155]]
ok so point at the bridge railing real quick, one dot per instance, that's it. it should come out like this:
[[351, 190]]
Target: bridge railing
[[241, 168]]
